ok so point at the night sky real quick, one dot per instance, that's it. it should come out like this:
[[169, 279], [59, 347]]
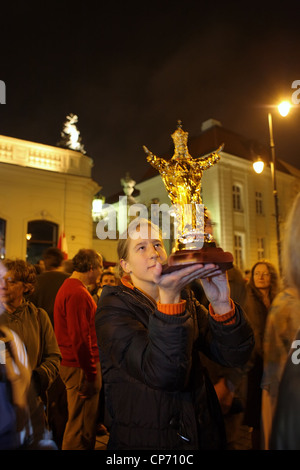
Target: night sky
[[130, 70]]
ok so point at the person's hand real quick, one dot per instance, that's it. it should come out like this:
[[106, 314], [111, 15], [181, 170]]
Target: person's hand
[[170, 285], [18, 375], [217, 291]]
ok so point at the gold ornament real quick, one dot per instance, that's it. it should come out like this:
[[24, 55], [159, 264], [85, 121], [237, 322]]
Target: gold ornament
[[182, 174]]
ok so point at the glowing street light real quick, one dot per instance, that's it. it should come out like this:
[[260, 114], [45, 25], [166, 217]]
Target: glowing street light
[[258, 166], [284, 108]]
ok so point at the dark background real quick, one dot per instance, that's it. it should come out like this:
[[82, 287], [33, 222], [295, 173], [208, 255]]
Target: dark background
[[130, 70]]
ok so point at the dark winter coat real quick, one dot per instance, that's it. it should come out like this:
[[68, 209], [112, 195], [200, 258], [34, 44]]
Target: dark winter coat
[[157, 393]]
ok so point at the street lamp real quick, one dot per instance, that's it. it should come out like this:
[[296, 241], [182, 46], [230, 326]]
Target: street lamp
[[258, 165], [283, 109], [97, 206]]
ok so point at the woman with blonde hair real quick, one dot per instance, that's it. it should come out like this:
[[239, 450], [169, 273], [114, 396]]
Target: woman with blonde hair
[[150, 331]]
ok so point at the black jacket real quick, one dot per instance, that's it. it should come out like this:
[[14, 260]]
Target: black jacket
[[156, 390]]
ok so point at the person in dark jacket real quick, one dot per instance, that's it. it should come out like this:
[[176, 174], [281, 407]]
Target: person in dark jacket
[[49, 281], [150, 331]]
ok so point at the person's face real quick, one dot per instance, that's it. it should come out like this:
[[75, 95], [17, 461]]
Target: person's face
[[95, 273], [144, 257], [108, 280], [12, 290], [261, 276]]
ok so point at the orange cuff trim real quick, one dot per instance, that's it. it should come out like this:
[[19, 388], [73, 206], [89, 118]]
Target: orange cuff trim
[[172, 309], [228, 318]]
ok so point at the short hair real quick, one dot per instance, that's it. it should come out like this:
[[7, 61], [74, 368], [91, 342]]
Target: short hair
[[87, 259], [107, 273], [22, 271], [291, 248], [53, 258]]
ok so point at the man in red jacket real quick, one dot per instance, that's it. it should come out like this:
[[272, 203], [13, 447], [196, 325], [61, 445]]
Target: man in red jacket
[[74, 320]]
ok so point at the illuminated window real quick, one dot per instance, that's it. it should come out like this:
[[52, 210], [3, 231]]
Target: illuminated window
[[41, 234], [258, 203], [237, 198], [260, 248], [239, 251]]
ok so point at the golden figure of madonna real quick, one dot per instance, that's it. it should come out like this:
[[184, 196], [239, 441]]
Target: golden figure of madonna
[[182, 176]]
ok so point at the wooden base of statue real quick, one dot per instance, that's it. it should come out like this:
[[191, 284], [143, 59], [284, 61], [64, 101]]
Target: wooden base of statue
[[209, 254]]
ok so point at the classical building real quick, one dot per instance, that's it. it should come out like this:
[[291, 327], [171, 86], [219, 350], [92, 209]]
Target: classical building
[[44, 191], [240, 202]]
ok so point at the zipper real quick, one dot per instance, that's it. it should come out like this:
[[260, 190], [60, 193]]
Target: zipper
[[148, 303]]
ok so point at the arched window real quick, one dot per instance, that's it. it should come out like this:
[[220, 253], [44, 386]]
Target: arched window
[[2, 238], [41, 234]]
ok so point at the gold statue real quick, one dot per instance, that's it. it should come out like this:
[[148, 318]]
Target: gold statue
[[182, 176]]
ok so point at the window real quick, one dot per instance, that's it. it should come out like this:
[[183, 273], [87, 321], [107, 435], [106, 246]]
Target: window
[[237, 198], [2, 238], [258, 203], [260, 248], [41, 234], [238, 251]]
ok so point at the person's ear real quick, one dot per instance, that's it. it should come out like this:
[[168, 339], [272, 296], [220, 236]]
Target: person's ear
[[125, 266], [27, 288]]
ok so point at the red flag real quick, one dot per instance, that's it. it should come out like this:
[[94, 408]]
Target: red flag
[[62, 244]]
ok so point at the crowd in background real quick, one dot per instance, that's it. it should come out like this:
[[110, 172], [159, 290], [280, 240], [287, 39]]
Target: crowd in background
[[51, 381]]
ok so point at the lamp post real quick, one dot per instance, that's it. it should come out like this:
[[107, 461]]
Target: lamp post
[[275, 193], [283, 109]]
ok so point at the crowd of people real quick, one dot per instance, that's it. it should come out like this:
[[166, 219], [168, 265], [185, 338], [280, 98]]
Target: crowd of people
[[189, 360]]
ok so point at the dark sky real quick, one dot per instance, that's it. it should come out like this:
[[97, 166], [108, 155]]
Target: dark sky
[[130, 70]]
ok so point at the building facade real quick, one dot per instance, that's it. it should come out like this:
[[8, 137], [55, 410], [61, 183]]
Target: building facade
[[44, 191]]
